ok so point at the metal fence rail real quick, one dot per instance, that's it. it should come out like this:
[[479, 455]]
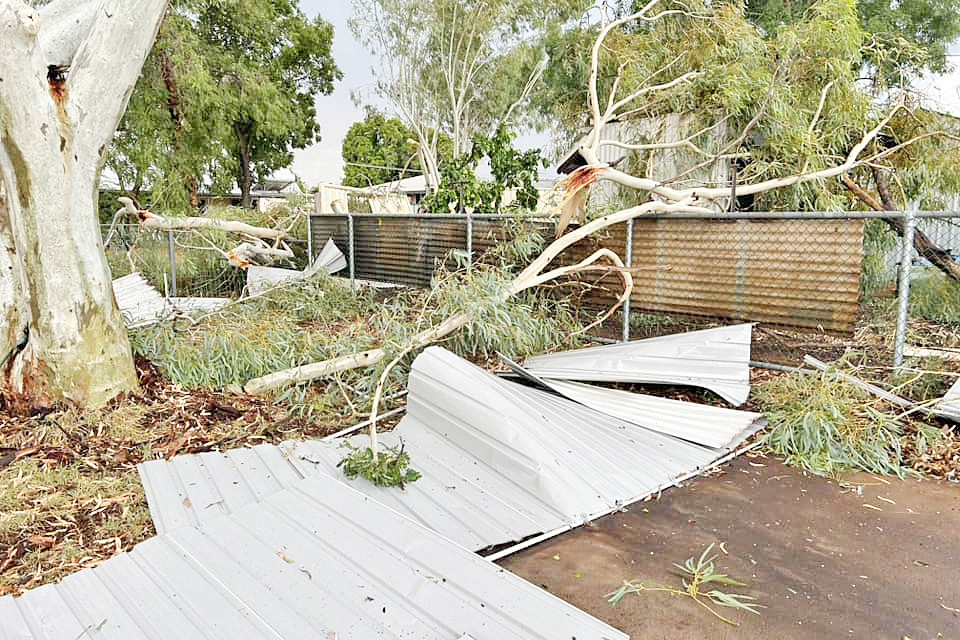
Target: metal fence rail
[[809, 270]]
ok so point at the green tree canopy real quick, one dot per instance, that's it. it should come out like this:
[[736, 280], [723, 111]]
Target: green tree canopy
[[774, 102], [378, 149], [457, 67], [228, 92]]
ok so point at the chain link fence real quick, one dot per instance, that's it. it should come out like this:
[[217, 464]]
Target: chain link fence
[[177, 263], [817, 283]]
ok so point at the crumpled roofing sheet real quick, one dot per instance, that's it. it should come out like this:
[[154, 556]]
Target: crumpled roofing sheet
[[500, 461], [141, 304], [716, 359], [330, 260], [314, 561], [949, 405], [715, 427]]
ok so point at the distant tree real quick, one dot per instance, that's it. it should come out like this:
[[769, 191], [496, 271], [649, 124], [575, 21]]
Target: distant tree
[[378, 149], [228, 91], [457, 67]]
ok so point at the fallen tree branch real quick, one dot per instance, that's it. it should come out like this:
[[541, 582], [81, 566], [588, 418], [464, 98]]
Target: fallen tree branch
[[151, 220], [940, 258], [531, 276]]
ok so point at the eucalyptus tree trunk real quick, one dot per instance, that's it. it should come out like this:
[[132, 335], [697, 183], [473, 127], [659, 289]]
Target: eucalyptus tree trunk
[[66, 73]]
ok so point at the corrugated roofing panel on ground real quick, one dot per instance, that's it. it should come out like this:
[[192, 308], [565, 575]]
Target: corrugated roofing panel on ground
[[716, 359], [500, 461], [317, 560], [139, 302], [715, 427]]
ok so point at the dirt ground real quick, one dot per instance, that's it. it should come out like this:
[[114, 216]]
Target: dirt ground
[[864, 557]]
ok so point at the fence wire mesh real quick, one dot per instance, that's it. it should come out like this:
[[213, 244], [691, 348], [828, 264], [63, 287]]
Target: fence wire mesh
[[818, 283]]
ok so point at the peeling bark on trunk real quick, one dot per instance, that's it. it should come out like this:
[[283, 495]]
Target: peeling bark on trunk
[[66, 73], [938, 257]]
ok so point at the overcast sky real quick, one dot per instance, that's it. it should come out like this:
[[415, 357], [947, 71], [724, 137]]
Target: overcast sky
[[336, 112]]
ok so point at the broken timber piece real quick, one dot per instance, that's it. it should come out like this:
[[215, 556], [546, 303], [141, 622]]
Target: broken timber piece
[[716, 359], [715, 427], [330, 260]]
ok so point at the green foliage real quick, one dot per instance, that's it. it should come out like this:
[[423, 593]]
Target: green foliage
[[390, 469], [378, 150], [309, 321], [226, 93], [512, 169], [935, 298], [780, 73], [694, 574], [825, 425], [928, 26], [453, 66]]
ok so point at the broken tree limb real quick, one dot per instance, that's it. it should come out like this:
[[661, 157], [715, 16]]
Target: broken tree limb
[[151, 220], [938, 257], [873, 389], [531, 276]]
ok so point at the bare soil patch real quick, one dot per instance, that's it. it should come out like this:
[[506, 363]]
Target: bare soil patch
[[823, 562]]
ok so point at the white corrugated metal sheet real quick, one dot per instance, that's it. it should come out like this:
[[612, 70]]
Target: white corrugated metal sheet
[[315, 561], [949, 405], [715, 427], [330, 260], [500, 461], [715, 359], [139, 302]]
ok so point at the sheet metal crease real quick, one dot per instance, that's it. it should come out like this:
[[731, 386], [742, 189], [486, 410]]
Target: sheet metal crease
[[717, 359]]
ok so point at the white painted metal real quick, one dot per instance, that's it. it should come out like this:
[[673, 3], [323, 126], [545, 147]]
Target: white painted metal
[[949, 405], [500, 461], [330, 260], [141, 304], [715, 427], [715, 359], [314, 561]]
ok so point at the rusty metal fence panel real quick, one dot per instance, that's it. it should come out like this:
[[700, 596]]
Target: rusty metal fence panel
[[793, 272]]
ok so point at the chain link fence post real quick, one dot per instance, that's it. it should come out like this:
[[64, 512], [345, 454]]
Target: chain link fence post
[[628, 261], [353, 270], [469, 241], [172, 257], [903, 294]]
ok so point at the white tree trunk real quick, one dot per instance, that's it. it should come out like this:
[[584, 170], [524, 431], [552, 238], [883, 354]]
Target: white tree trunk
[[55, 126]]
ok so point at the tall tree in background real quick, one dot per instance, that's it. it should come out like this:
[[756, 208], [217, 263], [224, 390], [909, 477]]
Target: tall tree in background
[[458, 67], [377, 150], [229, 91]]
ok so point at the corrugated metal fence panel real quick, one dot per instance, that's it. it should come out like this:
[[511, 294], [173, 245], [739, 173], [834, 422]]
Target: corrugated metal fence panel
[[791, 272], [407, 250], [316, 560]]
